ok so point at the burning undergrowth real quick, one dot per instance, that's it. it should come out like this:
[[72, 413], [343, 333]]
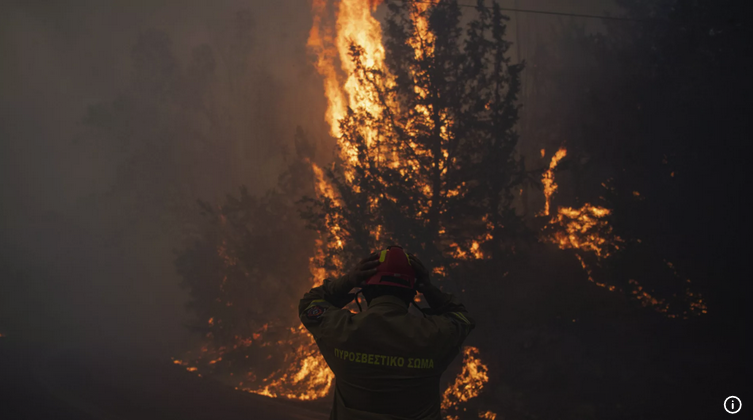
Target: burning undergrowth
[[611, 261], [275, 362], [245, 284], [415, 148], [245, 278]]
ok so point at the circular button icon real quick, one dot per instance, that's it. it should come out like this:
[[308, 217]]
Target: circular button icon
[[733, 405]]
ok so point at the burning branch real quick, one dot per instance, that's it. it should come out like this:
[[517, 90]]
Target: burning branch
[[550, 187], [468, 384]]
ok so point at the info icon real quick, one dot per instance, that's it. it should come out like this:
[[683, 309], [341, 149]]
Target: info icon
[[733, 405]]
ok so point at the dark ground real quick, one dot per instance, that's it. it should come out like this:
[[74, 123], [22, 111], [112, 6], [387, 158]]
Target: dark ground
[[86, 384]]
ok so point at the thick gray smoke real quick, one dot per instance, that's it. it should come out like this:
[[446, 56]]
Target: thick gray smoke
[[97, 165]]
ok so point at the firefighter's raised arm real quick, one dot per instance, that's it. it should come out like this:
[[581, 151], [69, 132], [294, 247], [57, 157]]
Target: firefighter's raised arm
[[441, 303], [387, 359], [332, 295]]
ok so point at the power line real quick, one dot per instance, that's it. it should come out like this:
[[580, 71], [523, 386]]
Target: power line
[[545, 12]]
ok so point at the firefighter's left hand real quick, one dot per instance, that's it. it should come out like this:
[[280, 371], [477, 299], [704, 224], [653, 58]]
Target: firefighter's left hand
[[362, 271], [423, 282]]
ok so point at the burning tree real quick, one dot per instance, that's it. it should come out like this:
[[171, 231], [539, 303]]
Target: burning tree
[[426, 144], [425, 157], [245, 282], [421, 142], [627, 212]]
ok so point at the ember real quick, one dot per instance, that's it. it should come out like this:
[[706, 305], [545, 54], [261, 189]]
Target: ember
[[550, 187], [585, 229]]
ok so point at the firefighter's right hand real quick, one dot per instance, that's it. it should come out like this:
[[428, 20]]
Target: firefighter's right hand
[[423, 281], [362, 271]]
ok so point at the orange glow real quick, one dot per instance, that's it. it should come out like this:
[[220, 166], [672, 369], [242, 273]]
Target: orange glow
[[585, 229], [325, 190], [339, 25], [550, 187], [440, 271], [318, 273], [354, 24], [222, 252], [340, 28], [305, 375], [469, 382]]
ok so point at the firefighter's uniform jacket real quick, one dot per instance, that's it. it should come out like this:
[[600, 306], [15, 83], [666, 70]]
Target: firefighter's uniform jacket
[[387, 361]]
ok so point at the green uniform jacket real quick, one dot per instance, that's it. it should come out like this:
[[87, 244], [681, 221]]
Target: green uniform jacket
[[387, 362]]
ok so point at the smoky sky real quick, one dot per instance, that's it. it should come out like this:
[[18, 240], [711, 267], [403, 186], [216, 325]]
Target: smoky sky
[[68, 272], [73, 267]]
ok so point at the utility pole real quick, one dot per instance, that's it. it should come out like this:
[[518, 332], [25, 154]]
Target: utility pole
[[521, 121]]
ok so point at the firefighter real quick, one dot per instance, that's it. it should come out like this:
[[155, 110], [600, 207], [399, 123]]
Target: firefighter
[[387, 362]]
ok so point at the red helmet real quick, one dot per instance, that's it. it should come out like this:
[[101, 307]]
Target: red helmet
[[395, 269]]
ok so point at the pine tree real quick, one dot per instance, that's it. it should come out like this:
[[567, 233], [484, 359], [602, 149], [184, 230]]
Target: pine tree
[[244, 274], [432, 166]]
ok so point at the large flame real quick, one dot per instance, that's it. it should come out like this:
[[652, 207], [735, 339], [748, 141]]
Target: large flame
[[340, 29], [354, 24], [306, 375], [468, 384], [325, 190], [337, 27], [548, 178], [354, 29]]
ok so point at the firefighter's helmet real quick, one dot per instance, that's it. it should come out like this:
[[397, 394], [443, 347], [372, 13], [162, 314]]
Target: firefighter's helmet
[[395, 269]]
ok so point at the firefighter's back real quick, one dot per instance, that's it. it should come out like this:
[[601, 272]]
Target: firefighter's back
[[389, 361]]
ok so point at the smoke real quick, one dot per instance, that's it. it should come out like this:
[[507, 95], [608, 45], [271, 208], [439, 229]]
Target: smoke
[[88, 227]]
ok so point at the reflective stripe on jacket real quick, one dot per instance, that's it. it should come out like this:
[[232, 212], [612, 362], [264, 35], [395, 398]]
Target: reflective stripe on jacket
[[387, 362]]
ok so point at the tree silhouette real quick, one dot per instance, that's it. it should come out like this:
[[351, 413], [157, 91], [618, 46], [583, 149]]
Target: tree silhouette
[[636, 106], [186, 127], [244, 272], [432, 166]]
